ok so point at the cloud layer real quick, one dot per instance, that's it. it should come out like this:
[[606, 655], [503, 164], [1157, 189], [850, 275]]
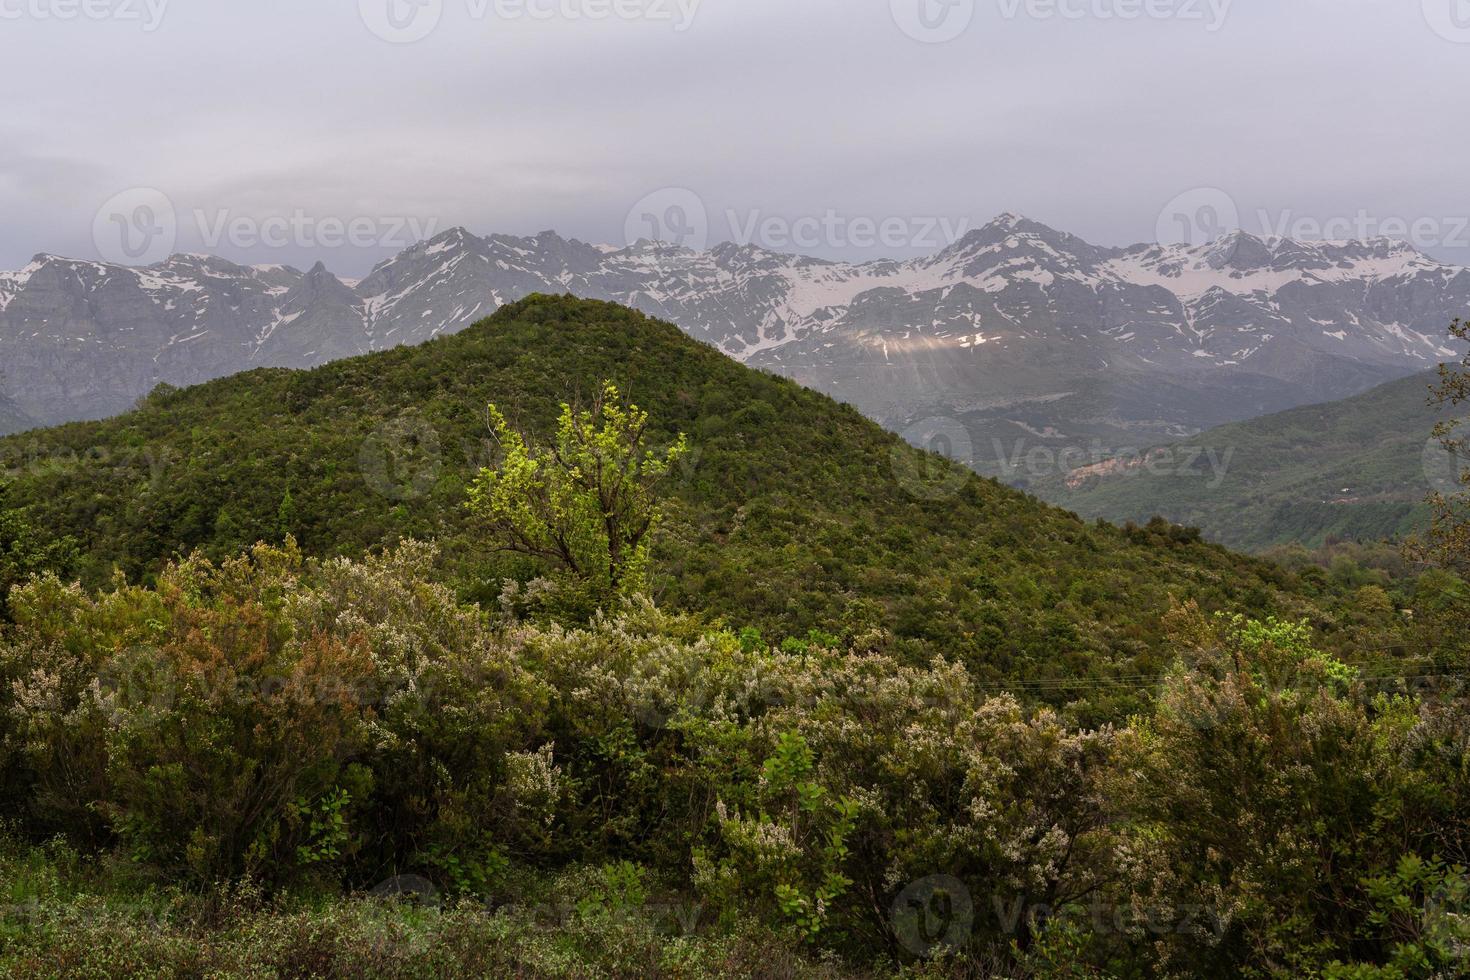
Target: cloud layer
[[521, 115]]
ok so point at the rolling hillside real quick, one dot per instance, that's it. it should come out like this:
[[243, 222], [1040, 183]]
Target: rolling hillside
[[545, 788], [795, 512], [1356, 469]]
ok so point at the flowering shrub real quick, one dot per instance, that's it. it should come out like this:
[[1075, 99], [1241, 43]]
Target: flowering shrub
[[272, 719], [240, 720], [452, 721], [792, 850]]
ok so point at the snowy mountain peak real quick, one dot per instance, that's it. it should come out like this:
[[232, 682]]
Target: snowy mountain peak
[[194, 264], [319, 282], [1021, 224], [452, 240], [1012, 248], [1239, 250], [1014, 293], [1009, 225], [44, 260]]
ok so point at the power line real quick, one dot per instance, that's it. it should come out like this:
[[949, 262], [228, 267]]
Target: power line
[[1142, 681]]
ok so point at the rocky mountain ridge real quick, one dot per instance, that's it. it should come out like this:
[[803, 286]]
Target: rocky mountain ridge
[[1015, 328]]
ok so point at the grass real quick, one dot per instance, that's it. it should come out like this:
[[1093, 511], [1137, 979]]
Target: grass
[[62, 916]]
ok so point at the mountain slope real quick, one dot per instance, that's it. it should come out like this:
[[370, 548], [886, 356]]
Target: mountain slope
[[1016, 325], [12, 419], [1020, 327], [1359, 468], [794, 513]]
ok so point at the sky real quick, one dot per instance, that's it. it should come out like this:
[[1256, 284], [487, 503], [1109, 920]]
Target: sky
[[297, 131]]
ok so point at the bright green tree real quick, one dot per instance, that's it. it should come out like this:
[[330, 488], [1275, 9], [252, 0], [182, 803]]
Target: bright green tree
[[588, 502]]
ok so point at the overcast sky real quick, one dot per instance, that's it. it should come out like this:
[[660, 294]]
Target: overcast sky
[[297, 130]]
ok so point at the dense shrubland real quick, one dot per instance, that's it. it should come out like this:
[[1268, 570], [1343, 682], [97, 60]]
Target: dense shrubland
[[788, 512], [301, 727], [278, 763]]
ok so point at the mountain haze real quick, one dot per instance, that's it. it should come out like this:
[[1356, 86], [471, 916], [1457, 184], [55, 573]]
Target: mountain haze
[[1015, 328], [12, 419]]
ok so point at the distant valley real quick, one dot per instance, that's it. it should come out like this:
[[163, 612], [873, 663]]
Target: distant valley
[[1359, 469]]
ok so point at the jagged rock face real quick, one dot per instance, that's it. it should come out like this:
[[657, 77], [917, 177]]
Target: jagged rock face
[[86, 339], [1017, 326], [1018, 329]]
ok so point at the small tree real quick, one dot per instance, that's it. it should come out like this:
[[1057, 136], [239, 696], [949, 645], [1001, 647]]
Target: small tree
[[587, 503], [1449, 538]]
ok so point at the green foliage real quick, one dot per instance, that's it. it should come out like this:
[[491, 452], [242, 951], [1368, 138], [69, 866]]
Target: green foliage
[[615, 889], [1273, 787], [586, 503], [240, 721], [1207, 766], [64, 918], [814, 640], [327, 833], [793, 849], [314, 724], [786, 515], [1423, 908], [211, 714], [466, 870], [26, 551]]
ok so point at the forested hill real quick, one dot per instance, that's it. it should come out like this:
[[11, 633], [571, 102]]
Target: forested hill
[[1357, 469], [793, 513]]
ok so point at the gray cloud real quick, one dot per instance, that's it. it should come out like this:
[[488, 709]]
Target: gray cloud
[[1307, 113]]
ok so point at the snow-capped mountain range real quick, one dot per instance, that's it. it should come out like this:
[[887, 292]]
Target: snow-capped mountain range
[[1016, 323]]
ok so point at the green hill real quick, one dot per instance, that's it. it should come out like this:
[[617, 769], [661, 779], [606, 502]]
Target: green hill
[[794, 512], [281, 766], [1358, 469]]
